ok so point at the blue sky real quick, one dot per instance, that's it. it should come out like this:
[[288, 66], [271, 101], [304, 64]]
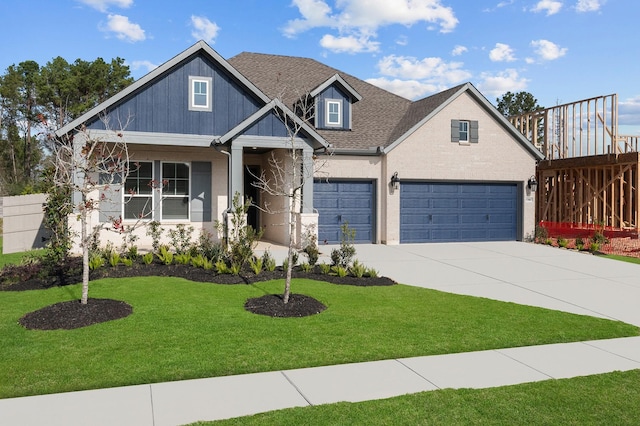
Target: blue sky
[[559, 50]]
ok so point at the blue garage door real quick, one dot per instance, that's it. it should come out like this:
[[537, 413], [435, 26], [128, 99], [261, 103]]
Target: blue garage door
[[339, 202], [441, 212]]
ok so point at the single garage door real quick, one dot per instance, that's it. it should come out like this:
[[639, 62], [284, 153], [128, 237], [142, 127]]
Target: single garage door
[[442, 212], [339, 202]]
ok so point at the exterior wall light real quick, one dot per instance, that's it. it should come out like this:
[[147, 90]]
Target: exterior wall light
[[532, 184], [395, 181]]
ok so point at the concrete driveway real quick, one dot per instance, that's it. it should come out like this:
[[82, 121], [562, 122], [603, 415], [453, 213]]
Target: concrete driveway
[[524, 273]]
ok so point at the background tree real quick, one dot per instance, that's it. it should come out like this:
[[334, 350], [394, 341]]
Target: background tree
[[512, 104], [34, 98]]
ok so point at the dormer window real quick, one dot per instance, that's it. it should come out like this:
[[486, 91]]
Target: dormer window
[[334, 113], [200, 89]]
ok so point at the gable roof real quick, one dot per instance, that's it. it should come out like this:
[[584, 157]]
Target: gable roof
[[289, 78], [423, 110], [346, 87], [200, 46]]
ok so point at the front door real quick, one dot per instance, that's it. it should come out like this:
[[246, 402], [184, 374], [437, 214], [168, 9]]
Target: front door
[[250, 191]]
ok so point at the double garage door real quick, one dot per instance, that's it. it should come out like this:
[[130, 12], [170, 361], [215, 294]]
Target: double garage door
[[429, 212], [442, 212]]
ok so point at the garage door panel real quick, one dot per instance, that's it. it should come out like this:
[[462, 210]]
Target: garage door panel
[[442, 212], [339, 202]]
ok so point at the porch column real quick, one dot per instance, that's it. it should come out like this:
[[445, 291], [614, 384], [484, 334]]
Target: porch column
[[307, 185], [236, 175]]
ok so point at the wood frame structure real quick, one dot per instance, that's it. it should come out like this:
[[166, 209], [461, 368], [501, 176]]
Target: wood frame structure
[[590, 176]]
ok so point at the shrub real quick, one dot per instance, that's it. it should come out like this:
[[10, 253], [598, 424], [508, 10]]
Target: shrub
[[181, 238], [268, 261], [221, 267], [182, 258], [563, 242], [599, 238], [245, 237], [235, 268], [147, 258], [311, 246], [256, 264], [207, 264], [197, 261], [325, 268], [541, 233], [306, 267], [549, 242], [114, 259], [372, 273], [342, 256], [127, 261], [594, 246], [96, 261], [154, 230], [338, 270], [357, 269], [165, 255]]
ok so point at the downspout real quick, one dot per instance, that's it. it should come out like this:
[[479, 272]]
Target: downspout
[[218, 147]]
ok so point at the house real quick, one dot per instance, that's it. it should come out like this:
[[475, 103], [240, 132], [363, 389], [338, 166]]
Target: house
[[448, 167]]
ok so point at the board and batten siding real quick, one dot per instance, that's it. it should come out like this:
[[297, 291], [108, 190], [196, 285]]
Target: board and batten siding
[[163, 105], [333, 93]]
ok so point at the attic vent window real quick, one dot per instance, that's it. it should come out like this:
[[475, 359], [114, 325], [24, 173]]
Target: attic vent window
[[200, 93]]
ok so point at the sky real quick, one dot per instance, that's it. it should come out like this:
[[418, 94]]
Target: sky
[[560, 51]]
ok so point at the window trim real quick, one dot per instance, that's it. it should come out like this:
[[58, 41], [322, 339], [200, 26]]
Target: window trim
[[126, 194], [327, 121], [192, 93], [465, 132], [472, 132], [164, 196]]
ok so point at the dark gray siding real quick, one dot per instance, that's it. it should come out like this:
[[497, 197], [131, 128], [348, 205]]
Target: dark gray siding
[[163, 105], [333, 93]]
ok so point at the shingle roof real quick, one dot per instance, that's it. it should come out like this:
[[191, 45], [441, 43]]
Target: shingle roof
[[374, 118]]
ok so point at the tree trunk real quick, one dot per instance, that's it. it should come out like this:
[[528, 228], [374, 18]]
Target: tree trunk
[[85, 255], [287, 281]]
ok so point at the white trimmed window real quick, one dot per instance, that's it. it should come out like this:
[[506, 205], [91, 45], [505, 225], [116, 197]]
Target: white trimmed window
[[138, 192], [333, 113], [175, 191], [200, 89], [464, 131]]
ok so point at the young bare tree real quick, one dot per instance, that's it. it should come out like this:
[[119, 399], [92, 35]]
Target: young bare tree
[[90, 166], [287, 175]]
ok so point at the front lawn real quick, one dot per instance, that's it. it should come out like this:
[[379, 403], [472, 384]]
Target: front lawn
[[181, 330], [604, 399]]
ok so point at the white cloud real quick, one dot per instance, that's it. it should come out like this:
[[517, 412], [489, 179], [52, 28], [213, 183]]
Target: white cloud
[[629, 111], [145, 66], [459, 50], [357, 20], [551, 7], [103, 5], [495, 85], [410, 89], [124, 29], [502, 53], [349, 44], [589, 5], [204, 29], [547, 50], [434, 70]]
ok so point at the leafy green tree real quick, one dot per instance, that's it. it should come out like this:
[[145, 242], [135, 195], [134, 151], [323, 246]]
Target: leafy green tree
[[513, 104]]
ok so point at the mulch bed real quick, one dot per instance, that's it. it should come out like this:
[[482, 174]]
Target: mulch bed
[[73, 314]]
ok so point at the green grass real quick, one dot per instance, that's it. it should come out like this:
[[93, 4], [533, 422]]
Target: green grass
[[181, 330], [605, 399], [622, 258]]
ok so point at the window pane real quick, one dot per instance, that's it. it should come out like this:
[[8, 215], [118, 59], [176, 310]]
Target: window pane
[[200, 93], [182, 171], [333, 113], [200, 100], [175, 208], [181, 187], [137, 207]]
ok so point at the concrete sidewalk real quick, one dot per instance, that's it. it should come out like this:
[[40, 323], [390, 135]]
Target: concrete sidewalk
[[519, 272]]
